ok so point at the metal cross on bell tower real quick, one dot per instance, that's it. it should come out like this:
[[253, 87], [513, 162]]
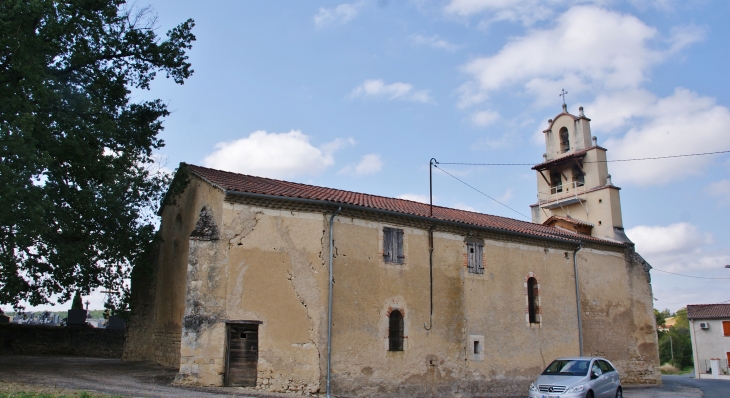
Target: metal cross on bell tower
[[562, 94]]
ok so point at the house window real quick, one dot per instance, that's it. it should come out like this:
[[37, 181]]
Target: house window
[[726, 328], [556, 184], [578, 177], [393, 245], [533, 302], [474, 251], [395, 331], [564, 140]]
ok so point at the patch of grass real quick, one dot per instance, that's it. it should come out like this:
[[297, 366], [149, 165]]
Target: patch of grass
[[669, 369], [18, 390]]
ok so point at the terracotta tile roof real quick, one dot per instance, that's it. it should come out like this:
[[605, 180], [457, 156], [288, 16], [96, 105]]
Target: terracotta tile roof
[[568, 219], [575, 155], [233, 182], [708, 311]]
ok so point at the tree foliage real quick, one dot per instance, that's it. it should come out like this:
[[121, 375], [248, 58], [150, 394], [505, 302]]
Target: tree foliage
[[677, 344], [77, 184]]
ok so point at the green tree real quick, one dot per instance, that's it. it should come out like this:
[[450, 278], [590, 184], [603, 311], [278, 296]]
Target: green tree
[[681, 320], [78, 188], [676, 341], [660, 320]]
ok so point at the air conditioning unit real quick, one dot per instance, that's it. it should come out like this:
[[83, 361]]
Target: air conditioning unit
[[704, 325]]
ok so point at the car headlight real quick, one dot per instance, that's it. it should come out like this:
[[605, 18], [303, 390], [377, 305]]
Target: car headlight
[[532, 387], [577, 388]]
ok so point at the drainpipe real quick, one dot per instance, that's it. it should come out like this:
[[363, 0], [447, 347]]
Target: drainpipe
[[329, 305], [430, 276], [577, 300]]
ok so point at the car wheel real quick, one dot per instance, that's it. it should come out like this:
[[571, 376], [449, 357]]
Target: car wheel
[[590, 394], [619, 393]]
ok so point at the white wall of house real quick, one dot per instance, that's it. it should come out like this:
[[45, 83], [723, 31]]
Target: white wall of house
[[709, 343]]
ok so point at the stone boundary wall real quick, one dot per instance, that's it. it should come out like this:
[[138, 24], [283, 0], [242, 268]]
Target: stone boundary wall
[[56, 340]]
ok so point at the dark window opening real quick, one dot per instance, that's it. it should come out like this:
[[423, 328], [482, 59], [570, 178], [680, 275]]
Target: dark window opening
[[564, 140], [578, 177], [475, 255], [556, 182], [477, 349], [533, 303], [393, 245], [395, 331]]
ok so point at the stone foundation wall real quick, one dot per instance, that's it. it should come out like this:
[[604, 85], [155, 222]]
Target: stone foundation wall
[[57, 340], [167, 348], [638, 372]]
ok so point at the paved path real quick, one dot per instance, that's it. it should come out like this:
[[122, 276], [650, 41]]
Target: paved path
[[682, 387]]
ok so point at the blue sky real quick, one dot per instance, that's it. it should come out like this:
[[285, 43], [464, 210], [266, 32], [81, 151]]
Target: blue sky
[[360, 95]]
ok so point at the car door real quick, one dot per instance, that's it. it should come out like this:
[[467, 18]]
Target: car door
[[612, 376], [600, 381]]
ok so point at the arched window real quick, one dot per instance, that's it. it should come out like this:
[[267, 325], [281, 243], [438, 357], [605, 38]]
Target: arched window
[[395, 331], [564, 140], [533, 302]]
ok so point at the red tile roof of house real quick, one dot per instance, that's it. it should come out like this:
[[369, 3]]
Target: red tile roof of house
[[708, 311], [234, 182]]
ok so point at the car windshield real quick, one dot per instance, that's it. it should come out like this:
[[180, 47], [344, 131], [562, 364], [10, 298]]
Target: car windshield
[[567, 367]]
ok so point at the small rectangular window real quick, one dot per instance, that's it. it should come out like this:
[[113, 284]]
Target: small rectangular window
[[474, 251], [726, 328], [393, 245]]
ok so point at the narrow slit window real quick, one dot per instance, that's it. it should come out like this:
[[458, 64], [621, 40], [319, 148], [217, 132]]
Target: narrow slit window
[[393, 245], [477, 349], [395, 331], [533, 302], [475, 252]]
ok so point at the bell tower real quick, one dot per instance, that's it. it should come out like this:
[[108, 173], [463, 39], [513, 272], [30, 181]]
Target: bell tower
[[574, 189]]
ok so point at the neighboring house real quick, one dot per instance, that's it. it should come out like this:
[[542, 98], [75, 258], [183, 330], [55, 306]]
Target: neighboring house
[[668, 323], [709, 326], [425, 301]]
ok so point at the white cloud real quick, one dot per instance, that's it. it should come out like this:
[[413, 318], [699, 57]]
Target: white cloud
[[464, 206], [369, 164], [485, 117], [339, 15], [415, 197], [506, 196], [434, 41], [275, 155], [681, 123], [376, 88], [587, 49], [665, 240], [720, 189]]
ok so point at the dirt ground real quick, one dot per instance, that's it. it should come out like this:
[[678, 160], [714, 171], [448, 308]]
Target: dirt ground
[[69, 375], [104, 377]]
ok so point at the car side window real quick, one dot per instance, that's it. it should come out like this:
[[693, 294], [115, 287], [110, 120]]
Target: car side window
[[605, 366], [596, 368]]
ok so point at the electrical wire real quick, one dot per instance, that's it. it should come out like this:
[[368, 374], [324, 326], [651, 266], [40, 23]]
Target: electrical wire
[[688, 276], [594, 161], [461, 181]]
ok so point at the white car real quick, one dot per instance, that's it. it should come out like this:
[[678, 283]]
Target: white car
[[578, 377]]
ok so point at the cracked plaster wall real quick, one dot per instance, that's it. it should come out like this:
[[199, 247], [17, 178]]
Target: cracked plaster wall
[[271, 266]]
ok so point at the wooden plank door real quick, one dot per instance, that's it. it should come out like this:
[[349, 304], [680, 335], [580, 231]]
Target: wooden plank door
[[242, 355]]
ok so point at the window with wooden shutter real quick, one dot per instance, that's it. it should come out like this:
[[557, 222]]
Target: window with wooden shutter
[[726, 328], [474, 251], [393, 245]]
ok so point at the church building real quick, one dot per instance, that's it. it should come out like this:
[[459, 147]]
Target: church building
[[289, 287]]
